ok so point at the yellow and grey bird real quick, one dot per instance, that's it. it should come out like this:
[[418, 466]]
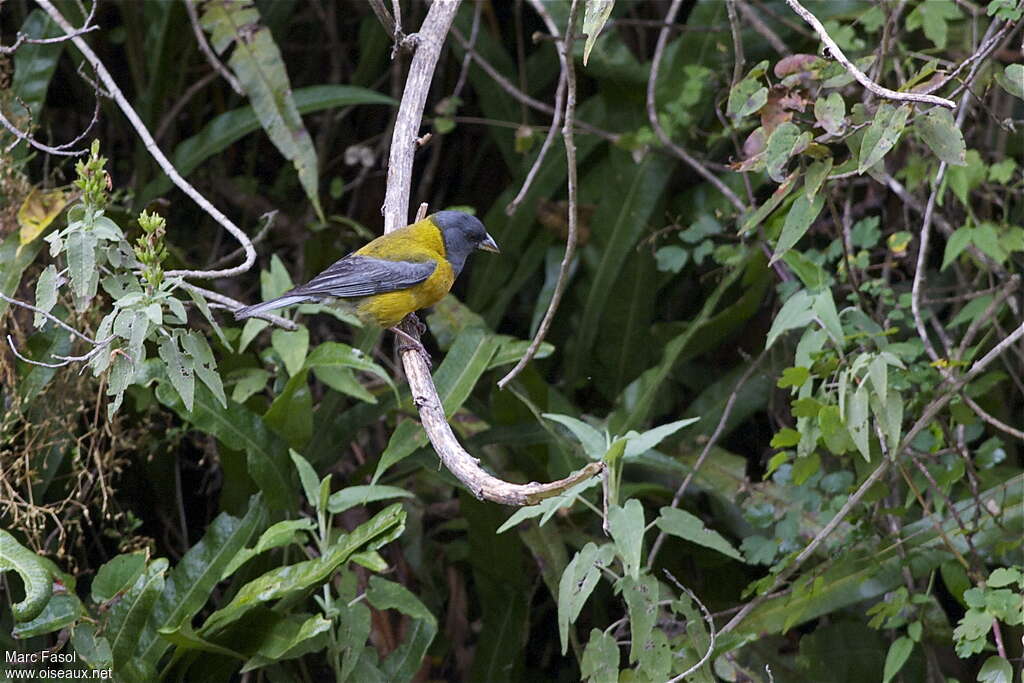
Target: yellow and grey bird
[[398, 273]]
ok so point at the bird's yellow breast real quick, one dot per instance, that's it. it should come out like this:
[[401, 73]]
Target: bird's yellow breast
[[418, 242]]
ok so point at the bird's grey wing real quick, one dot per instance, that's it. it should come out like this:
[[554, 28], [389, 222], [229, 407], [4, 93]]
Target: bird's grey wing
[[356, 275]]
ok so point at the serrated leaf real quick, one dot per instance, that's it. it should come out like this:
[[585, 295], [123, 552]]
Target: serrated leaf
[[46, 293], [81, 256], [600, 662], [179, 370]]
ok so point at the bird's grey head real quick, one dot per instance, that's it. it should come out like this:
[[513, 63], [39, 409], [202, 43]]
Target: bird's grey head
[[462, 234]]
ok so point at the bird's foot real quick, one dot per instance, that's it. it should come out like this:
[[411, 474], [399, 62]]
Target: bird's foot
[[412, 343]]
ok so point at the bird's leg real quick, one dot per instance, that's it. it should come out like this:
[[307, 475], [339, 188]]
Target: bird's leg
[[411, 342]]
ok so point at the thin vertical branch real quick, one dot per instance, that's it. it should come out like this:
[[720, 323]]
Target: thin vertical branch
[[565, 48]]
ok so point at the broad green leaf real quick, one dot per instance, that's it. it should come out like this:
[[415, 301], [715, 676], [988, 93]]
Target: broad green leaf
[[593, 441], [824, 308], [297, 578], [955, 245], [882, 135], [291, 346], [204, 364], [626, 524], [600, 662], [816, 176], [995, 670], [291, 637], [857, 419], [899, 653], [796, 312], [749, 95], [179, 370], [190, 584], [939, 131], [117, 575], [14, 259], [185, 639], [352, 496], [343, 380], [81, 256], [94, 650], [125, 624], [283, 533], [1012, 80], [933, 17], [35, 577], [783, 143], [249, 381], [291, 413], [63, 610], [595, 15], [830, 113], [403, 663], [334, 354], [46, 293], [801, 214], [641, 596], [683, 525], [638, 444], [577, 583]]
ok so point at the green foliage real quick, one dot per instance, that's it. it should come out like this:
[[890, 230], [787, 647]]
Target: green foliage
[[261, 501]]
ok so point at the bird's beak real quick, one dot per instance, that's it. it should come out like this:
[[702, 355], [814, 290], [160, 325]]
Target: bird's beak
[[489, 245]]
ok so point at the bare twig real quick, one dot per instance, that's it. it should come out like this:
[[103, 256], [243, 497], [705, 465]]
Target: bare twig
[[385, 18], [565, 50], [754, 19], [204, 47], [396, 212], [708, 619], [234, 305], [861, 77], [87, 26], [157, 154], [652, 116], [737, 43]]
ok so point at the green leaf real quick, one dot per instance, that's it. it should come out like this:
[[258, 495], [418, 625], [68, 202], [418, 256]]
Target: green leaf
[[775, 201], [626, 524], [641, 595], [81, 256], [291, 413], [63, 610], [933, 18], [899, 653], [283, 533], [191, 582], [291, 580], [638, 444], [1004, 576], [683, 525], [92, 649], [783, 143], [939, 131], [995, 670], [307, 477], [577, 583], [749, 95], [336, 355], [403, 663], [801, 214], [955, 245], [547, 508], [124, 626], [117, 575], [793, 377], [796, 312], [594, 18], [179, 370], [291, 346], [352, 496], [594, 443], [1012, 80], [600, 662], [249, 381], [882, 135], [46, 293], [35, 577], [35, 63], [830, 113]]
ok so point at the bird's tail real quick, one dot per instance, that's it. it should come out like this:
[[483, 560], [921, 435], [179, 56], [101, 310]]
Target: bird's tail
[[280, 302]]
